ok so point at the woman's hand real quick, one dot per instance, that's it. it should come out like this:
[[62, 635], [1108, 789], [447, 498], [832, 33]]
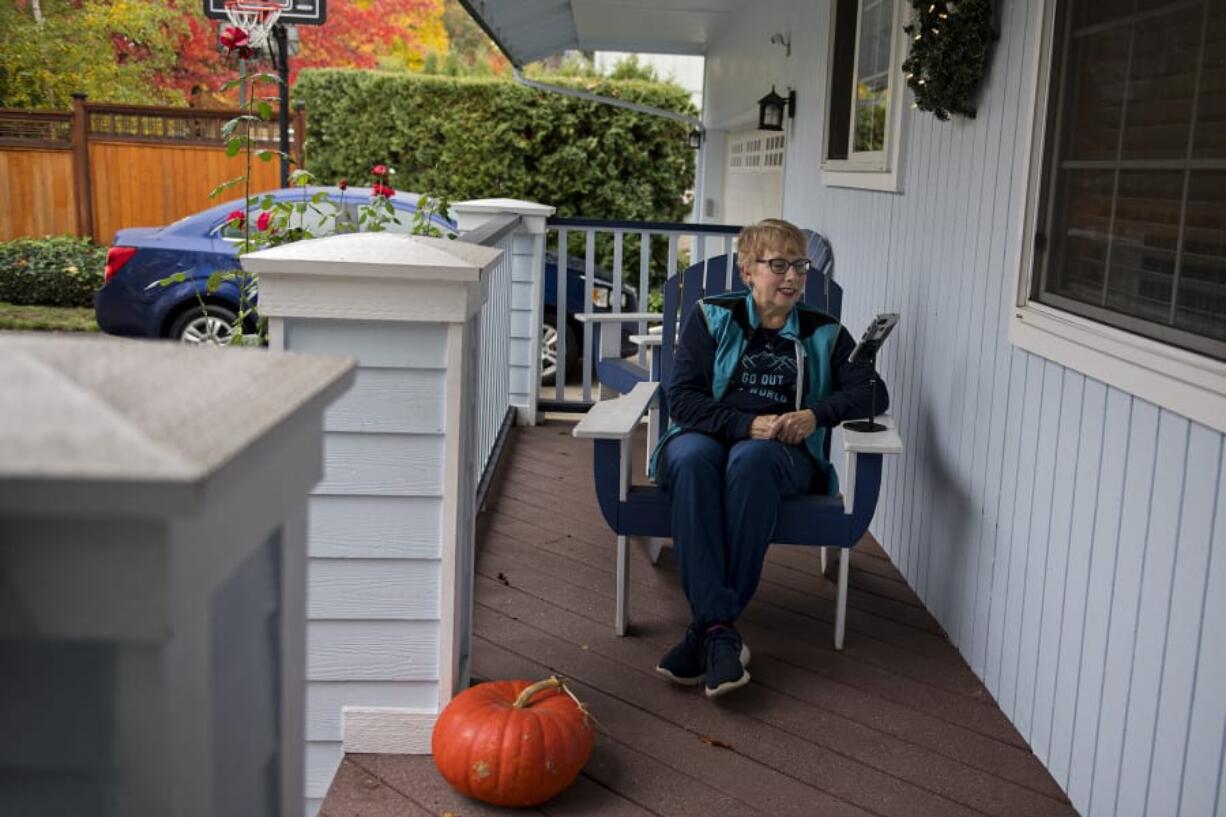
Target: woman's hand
[[763, 427], [794, 426]]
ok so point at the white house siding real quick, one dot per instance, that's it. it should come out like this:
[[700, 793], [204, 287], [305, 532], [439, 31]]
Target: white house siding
[[522, 331], [1070, 538], [375, 523]]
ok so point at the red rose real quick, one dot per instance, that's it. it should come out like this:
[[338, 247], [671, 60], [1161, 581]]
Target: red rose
[[263, 221], [382, 190], [233, 37], [343, 184], [246, 53], [236, 218], [379, 170]]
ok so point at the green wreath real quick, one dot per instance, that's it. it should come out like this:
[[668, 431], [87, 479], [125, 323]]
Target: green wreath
[[950, 42]]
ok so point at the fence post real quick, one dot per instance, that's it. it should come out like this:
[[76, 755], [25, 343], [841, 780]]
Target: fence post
[[527, 291], [300, 126], [395, 510], [80, 167]]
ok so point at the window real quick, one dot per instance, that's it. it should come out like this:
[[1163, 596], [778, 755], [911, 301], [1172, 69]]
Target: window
[[863, 118], [318, 219], [1123, 273], [1133, 221]]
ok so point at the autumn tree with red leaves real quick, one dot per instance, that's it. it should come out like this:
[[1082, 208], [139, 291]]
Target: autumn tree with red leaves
[[357, 34]]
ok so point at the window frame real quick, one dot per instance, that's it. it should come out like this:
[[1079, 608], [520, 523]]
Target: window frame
[[875, 170], [1190, 384]]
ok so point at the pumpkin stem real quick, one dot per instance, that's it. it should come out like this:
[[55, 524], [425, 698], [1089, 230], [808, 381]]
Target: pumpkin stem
[[549, 683]]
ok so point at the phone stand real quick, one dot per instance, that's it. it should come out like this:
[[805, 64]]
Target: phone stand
[[870, 425], [874, 336]]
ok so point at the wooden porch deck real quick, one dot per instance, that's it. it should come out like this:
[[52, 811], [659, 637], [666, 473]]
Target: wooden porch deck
[[896, 725]]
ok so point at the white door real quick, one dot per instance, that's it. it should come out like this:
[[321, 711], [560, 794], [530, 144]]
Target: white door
[[753, 176]]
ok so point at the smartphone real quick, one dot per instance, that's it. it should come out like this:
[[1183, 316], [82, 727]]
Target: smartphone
[[874, 336]]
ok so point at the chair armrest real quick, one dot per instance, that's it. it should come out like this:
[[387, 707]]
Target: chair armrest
[[617, 317], [856, 443], [647, 341], [617, 419], [874, 442]]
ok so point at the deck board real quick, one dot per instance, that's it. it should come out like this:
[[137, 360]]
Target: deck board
[[896, 725]]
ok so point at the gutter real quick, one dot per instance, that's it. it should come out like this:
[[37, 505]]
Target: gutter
[[692, 121], [516, 65]]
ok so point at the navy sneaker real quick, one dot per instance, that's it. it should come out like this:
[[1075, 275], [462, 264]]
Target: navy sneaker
[[686, 662], [727, 657]]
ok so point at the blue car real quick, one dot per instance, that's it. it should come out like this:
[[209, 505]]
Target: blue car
[[131, 302]]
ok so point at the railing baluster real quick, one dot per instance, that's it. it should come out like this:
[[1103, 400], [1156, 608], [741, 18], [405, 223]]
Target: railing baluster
[[644, 287], [728, 271], [589, 275], [617, 270], [616, 305], [559, 318]]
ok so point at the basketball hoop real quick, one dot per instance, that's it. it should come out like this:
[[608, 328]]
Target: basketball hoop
[[255, 17]]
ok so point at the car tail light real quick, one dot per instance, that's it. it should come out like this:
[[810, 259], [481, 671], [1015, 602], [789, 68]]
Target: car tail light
[[116, 257]]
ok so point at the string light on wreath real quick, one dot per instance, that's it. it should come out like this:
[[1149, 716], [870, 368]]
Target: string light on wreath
[[949, 54]]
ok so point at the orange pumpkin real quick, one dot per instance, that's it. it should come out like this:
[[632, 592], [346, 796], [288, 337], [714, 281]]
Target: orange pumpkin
[[513, 743]]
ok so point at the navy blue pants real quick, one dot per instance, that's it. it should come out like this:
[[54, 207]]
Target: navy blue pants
[[725, 500]]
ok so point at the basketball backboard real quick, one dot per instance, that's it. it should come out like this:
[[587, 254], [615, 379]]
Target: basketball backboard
[[297, 12]]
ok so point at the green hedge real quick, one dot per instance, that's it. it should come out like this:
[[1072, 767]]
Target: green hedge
[[57, 271], [469, 138]]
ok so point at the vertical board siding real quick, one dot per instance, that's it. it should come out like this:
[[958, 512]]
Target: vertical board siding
[[1153, 605], [38, 193], [147, 185], [1189, 612], [1069, 537]]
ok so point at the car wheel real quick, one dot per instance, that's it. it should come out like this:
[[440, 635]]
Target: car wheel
[[549, 350], [210, 325]]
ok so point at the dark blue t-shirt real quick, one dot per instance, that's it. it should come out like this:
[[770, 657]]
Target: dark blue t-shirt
[[765, 378]]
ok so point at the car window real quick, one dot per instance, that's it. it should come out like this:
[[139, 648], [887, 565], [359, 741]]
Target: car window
[[319, 219]]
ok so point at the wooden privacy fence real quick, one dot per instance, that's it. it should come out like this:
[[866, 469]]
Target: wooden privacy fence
[[101, 168]]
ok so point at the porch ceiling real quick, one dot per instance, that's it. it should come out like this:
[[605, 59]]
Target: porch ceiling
[[528, 30]]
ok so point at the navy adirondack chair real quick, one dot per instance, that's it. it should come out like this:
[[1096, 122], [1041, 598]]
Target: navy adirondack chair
[[636, 510]]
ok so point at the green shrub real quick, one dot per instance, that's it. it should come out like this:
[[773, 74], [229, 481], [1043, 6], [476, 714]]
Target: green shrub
[[54, 271], [474, 137], [466, 138]]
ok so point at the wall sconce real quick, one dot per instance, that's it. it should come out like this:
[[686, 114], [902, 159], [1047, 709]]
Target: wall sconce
[[696, 137], [770, 109]]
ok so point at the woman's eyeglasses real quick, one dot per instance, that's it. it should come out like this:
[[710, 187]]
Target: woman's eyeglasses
[[779, 266]]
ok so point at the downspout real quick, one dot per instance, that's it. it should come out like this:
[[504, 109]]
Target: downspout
[[648, 110]]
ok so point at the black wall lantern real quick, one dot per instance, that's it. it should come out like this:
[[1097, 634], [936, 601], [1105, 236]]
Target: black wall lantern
[[770, 109], [695, 139]]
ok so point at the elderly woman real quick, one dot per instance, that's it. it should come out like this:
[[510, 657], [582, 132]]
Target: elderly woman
[[758, 379]]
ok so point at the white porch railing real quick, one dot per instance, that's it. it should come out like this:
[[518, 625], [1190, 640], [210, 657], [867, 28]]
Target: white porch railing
[[684, 243]]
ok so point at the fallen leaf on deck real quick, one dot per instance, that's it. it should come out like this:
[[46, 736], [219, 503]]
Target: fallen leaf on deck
[[503, 578], [716, 742]]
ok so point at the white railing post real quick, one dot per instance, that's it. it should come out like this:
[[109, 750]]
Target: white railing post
[[527, 250], [392, 523], [153, 513]]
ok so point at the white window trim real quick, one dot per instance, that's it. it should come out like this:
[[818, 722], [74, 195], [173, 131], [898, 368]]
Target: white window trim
[[1187, 383], [879, 171]]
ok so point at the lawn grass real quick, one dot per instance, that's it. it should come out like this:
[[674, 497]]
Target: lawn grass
[[47, 318]]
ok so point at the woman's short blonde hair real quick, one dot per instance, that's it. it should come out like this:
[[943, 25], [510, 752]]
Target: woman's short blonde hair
[[770, 233]]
